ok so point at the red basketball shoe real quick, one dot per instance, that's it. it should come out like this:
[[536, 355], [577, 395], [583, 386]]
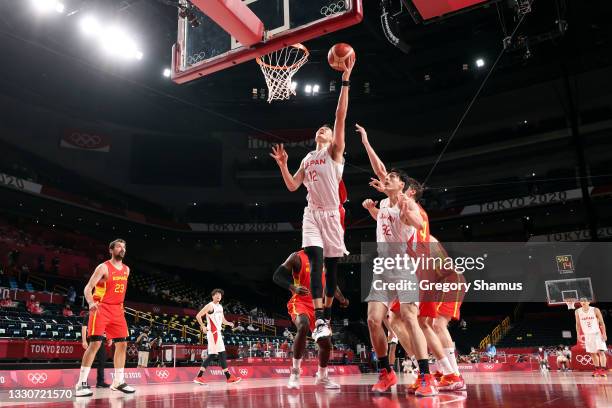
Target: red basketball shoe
[[427, 387], [385, 381]]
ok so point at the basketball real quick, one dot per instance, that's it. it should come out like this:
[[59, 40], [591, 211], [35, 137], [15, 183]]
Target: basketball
[[338, 54]]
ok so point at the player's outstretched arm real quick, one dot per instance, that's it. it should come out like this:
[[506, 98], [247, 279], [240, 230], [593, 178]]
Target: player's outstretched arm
[[370, 205], [377, 165], [293, 182], [100, 272], [337, 147], [409, 211]]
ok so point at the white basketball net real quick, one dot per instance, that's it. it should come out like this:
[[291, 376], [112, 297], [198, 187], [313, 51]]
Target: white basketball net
[[571, 304], [279, 67]]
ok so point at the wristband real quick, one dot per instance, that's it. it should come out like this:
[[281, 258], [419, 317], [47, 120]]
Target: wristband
[[346, 83]]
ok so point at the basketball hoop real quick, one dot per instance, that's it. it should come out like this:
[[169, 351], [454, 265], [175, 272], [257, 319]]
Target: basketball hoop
[[571, 304], [279, 67]]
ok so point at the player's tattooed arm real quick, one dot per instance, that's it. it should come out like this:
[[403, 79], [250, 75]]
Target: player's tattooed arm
[[344, 302], [377, 165], [370, 205], [336, 150], [293, 182], [283, 276], [100, 273]]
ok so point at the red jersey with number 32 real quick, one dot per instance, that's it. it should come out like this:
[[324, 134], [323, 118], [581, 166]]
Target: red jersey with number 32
[[112, 290]]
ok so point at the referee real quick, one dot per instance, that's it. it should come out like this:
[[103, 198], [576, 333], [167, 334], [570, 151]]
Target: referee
[[100, 356]]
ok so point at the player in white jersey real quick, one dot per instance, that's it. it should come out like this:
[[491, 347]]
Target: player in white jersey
[[213, 328], [396, 221], [322, 230], [590, 321]]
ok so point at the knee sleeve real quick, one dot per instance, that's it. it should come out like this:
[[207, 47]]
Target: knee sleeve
[[315, 258]]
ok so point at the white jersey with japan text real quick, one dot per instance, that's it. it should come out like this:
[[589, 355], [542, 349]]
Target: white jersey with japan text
[[322, 176]]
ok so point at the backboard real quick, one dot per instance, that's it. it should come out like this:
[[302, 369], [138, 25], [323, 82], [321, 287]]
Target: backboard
[[559, 291], [207, 48]]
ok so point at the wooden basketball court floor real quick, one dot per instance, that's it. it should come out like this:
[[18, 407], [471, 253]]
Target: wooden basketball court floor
[[507, 389]]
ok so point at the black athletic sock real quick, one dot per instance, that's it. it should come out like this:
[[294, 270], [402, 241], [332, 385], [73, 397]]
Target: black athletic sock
[[327, 313], [423, 366], [201, 373], [319, 314], [384, 363], [227, 374]]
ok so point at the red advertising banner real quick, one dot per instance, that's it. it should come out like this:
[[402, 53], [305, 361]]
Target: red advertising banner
[[55, 378]]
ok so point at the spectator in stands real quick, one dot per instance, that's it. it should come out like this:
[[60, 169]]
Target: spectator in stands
[[7, 303], [238, 328], [491, 353], [67, 312], [474, 356], [251, 328], [30, 302], [463, 324], [286, 333], [37, 309], [152, 289], [143, 343], [71, 295], [100, 355]]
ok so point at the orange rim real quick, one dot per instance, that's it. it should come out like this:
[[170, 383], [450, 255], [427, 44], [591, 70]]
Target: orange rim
[[283, 67]]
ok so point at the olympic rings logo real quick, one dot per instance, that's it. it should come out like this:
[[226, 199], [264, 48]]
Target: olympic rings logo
[[195, 58], [244, 372], [163, 374], [584, 359], [85, 140], [488, 366], [37, 378], [333, 8]]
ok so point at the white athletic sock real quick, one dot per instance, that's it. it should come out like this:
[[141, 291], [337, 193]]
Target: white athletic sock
[[119, 377], [450, 354], [84, 374], [445, 366], [297, 362], [322, 371]]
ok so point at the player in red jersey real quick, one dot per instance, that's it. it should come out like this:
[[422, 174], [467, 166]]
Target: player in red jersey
[[447, 309], [106, 316], [423, 244], [294, 274]]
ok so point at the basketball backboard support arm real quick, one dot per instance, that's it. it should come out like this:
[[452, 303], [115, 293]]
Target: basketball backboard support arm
[[188, 64], [234, 17]]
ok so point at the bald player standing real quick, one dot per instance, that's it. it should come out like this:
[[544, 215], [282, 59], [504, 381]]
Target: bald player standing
[[105, 293]]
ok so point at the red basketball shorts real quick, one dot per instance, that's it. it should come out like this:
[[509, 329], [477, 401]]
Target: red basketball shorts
[[428, 309], [449, 309], [108, 320], [297, 307]]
